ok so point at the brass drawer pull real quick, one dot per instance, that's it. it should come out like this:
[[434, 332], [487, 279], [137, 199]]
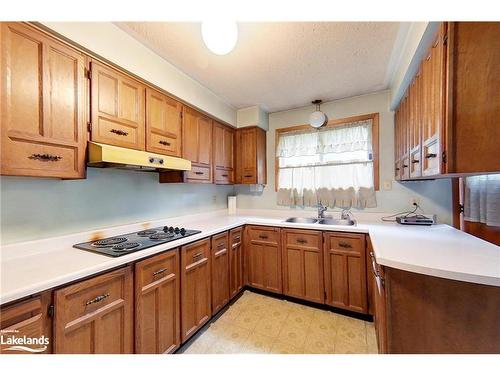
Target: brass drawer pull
[[197, 255], [415, 161], [97, 299], [248, 175], [263, 237], [237, 239], [221, 245], [430, 156], [225, 175], [119, 132], [164, 143], [161, 270], [301, 240], [345, 245], [198, 173], [45, 157]]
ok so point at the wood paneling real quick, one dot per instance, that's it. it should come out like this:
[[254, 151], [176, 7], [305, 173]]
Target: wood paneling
[[251, 156], [303, 264], [117, 108], [220, 271], [42, 106], [96, 315], [157, 304], [263, 252], [27, 318], [236, 261], [163, 124], [345, 271], [195, 287]]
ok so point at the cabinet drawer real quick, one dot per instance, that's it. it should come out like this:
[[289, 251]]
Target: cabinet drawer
[[195, 253], [164, 145], [156, 268], [223, 176], [346, 242], [220, 242], [263, 234], [116, 134], [248, 177], [303, 238], [198, 174], [235, 236]]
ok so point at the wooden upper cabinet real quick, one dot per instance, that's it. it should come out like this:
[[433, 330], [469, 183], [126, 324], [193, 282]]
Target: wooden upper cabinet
[[42, 111], [345, 271], [197, 145], [251, 156], [263, 252], [303, 264], [415, 127], [27, 318], [96, 315], [223, 139], [117, 108], [163, 124], [157, 304], [195, 287], [220, 271]]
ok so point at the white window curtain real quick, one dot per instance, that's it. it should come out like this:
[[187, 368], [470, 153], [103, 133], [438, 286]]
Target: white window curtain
[[482, 199], [333, 165]]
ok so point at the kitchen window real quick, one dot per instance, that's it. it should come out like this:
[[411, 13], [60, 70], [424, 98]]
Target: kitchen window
[[336, 164]]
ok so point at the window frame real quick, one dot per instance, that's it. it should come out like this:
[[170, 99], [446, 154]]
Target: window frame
[[333, 123]]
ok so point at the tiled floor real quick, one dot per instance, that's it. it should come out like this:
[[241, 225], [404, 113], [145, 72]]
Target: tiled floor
[[261, 324]]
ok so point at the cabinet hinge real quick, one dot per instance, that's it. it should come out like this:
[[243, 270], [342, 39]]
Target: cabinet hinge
[[445, 39], [461, 208], [88, 73], [89, 126], [443, 157], [182, 114], [50, 311]]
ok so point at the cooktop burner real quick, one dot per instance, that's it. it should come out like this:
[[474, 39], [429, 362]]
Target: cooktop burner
[[131, 242]]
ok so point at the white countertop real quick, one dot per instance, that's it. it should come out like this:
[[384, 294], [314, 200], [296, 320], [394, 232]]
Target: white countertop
[[31, 267]]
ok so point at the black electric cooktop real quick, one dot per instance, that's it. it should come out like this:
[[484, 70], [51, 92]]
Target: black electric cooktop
[[136, 241]]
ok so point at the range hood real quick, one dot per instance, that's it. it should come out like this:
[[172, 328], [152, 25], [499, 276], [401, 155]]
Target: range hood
[[107, 156]]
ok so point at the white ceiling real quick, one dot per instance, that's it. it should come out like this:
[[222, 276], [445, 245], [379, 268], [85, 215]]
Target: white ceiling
[[281, 65]]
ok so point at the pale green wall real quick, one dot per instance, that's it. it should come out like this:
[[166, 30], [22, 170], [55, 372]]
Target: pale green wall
[[33, 208]]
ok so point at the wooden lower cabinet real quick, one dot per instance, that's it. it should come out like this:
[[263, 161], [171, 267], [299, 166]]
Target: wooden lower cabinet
[[303, 264], [195, 287], [377, 279], [345, 271], [220, 271], [96, 315], [28, 318], [236, 259], [263, 252], [157, 304]]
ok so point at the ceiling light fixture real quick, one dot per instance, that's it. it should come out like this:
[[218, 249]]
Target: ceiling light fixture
[[220, 37], [317, 118]]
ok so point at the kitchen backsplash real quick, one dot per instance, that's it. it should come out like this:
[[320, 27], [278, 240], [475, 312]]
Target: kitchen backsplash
[[34, 208]]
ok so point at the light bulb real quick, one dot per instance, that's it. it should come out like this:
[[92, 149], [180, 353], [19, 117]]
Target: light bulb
[[220, 37]]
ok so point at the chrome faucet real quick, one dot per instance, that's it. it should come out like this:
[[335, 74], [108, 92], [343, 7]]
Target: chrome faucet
[[321, 210], [346, 214]]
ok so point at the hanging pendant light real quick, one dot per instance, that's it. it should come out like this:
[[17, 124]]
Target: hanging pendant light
[[317, 119]]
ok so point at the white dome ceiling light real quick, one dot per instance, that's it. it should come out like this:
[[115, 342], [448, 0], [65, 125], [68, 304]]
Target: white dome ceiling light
[[317, 118], [220, 37]]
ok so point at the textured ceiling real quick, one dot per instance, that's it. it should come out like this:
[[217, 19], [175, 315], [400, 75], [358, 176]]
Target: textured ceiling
[[280, 65]]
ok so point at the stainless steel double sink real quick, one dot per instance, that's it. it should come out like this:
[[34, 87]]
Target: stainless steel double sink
[[324, 221]]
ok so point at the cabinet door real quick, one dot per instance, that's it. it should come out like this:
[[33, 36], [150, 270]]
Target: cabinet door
[[43, 105], [157, 304], [415, 126], [96, 315], [223, 139], [264, 258], [205, 141], [434, 65], [345, 271], [220, 271], [117, 108], [235, 261], [163, 124], [380, 307], [303, 264], [195, 287], [28, 318], [404, 148], [247, 156]]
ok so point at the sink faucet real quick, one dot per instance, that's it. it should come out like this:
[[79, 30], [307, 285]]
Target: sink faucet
[[321, 210], [346, 214]]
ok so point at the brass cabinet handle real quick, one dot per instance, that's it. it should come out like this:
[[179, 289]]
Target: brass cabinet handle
[[119, 132], [263, 237], [45, 157], [415, 161], [301, 240], [197, 255], [97, 299], [237, 238], [345, 245], [430, 156], [224, 175], [161, 270], [164, 143], [221, 245], [397, 169], [198, 173], [405, 166], [248, 175]]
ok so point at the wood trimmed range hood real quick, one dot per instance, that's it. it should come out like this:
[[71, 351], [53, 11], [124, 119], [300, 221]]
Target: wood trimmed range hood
[[107, 156]]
